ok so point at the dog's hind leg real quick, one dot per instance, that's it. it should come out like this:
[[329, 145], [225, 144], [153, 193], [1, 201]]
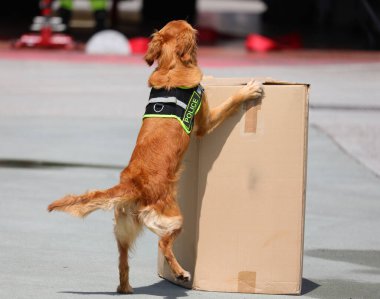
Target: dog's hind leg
[[124, 286], [167, 227], [127, 227], [166, 246]]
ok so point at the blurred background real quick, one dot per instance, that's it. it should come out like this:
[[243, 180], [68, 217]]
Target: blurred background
[[69, 122], [350, 24]]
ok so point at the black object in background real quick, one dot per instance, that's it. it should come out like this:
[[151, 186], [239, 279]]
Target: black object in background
[[157, 13]]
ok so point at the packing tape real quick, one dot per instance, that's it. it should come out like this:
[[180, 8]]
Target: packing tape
[[251, 108], [246, 282]]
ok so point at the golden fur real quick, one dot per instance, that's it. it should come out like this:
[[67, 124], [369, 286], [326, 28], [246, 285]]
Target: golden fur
[[146, 193]]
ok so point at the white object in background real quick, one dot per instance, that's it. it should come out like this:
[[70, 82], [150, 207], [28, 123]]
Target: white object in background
[[108, 42]]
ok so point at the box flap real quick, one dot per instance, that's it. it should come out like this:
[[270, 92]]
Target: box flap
[[212, 81]]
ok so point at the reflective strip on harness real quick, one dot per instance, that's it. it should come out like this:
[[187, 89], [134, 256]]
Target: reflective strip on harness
[[168, 100]]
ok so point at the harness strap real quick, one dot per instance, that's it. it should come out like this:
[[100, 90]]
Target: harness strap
[[168, 100]]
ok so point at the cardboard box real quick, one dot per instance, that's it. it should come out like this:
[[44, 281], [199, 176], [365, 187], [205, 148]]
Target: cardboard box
[[242, 195]]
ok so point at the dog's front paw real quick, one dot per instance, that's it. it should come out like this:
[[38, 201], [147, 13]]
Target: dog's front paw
[[184, 276], [253, 90], [125, 290]]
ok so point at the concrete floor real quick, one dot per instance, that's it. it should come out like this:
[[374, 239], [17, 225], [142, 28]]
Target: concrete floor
[[67, 125]]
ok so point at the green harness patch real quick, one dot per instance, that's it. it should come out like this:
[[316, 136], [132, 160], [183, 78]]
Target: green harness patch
[[191, 110]]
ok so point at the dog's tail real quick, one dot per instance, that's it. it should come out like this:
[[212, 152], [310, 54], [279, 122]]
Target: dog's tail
[[82, 205]]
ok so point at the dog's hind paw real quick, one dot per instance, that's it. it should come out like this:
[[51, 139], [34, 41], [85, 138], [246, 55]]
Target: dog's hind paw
[[184, 276], [124, 290]]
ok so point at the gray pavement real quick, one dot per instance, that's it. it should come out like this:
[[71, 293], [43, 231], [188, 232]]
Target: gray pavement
[[67, 127]]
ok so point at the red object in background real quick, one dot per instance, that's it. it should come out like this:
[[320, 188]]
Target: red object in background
[[260, 43], [290, 41], [46, 38], [207, 36], [45, 6], [139, 45]]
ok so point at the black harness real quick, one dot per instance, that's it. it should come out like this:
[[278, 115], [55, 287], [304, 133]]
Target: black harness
[[181, 103]]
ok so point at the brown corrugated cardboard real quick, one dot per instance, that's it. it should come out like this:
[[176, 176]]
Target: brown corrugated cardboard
[[243, 194]]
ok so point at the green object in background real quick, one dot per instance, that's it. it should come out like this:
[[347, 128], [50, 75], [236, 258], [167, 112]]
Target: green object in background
[[98, 4], [95, 4], [66, 4]]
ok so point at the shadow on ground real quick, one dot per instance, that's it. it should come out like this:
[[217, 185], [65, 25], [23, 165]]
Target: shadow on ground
[[163, 289], [167, 290], [91, 293], [337, 288], [368, 258], [308, 286]]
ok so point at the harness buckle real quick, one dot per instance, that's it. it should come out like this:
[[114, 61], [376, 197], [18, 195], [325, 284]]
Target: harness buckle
[[159, 107]]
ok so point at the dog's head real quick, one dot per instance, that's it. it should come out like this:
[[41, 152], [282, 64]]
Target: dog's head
[[176, 41]]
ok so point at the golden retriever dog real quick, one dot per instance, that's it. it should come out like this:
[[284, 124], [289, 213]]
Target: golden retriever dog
[[146, 193]]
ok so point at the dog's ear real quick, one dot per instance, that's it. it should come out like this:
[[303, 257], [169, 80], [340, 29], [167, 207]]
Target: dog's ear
[[154, 48], [186, 43]]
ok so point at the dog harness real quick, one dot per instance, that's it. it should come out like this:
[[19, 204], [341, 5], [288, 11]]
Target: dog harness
[[181, 103]]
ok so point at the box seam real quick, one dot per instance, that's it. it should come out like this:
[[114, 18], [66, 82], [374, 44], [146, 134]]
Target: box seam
[[306, 142]]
